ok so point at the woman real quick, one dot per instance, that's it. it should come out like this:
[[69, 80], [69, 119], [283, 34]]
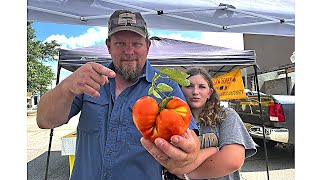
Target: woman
[[225, 142]]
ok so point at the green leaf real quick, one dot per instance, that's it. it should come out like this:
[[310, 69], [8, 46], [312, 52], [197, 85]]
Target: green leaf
[[172, 72], [182, 82], [155, 77], [156, 94], [151, 89], [162, 87], [177, 76]]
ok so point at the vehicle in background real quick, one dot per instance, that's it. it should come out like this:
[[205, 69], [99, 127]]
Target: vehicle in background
[[278, 113]]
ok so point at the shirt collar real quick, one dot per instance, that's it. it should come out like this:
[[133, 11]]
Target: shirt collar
[[148, 71]]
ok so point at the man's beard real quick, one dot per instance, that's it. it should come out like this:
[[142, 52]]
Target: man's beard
[[129, 74]]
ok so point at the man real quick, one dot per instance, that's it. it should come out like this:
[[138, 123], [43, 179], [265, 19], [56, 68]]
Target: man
[[109, 146]]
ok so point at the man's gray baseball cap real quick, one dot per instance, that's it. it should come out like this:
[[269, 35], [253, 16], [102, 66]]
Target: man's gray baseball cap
[[124, 20]]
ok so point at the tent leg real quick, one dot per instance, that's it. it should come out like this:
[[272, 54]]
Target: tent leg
[[48, 157], [51, 131], [262, 122]]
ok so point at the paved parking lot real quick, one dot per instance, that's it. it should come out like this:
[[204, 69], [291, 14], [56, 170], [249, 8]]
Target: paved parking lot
[[281, 161], [38, 139]]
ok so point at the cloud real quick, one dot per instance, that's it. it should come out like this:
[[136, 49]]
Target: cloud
[[96, 35], [228, 40], [177, 36], [93, 36]]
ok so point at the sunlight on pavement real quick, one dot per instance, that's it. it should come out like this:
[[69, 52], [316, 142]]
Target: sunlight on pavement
[[38, 139]]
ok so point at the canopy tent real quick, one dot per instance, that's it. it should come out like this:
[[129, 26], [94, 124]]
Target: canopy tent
[[165, 52], [273, 17]]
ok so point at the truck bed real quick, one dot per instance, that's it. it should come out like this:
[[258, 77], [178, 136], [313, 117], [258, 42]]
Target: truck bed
[[249, 111]]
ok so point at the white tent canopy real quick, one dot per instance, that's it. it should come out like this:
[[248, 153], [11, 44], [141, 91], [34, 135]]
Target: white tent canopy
[[272, 17]]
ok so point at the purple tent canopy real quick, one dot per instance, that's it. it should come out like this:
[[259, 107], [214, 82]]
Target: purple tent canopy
[[166, 52]]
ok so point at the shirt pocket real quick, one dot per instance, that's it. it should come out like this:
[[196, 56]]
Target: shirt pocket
[[93, 113], [133, 135]]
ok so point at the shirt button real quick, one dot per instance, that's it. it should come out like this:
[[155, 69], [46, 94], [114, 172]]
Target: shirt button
[[108, 151]]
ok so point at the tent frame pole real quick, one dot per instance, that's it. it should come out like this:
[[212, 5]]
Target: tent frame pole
[[51, 131], [261, 118], [48, 156]]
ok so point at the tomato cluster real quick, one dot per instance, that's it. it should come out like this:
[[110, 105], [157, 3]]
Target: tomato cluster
[[171, 116]]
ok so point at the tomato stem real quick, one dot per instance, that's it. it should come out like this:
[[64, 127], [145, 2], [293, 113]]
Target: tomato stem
[[164, 102]]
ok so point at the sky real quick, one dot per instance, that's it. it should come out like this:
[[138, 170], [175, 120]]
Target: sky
[[76, 36]]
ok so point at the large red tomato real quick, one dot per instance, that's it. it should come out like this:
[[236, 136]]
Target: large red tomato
[[171, 117]]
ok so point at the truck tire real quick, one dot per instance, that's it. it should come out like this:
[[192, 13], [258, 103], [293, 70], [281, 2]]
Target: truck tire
[[270, 144]]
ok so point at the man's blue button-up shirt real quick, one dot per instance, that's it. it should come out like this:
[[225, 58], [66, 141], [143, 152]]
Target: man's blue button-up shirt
[[108, 143]]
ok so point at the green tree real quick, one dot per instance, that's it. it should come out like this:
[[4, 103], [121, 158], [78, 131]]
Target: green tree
[[39, 76]]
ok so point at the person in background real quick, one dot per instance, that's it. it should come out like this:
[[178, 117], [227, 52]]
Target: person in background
[[223, 136], [108, 145]]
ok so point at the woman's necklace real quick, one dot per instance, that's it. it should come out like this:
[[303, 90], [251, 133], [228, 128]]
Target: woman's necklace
[[199, 125]]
